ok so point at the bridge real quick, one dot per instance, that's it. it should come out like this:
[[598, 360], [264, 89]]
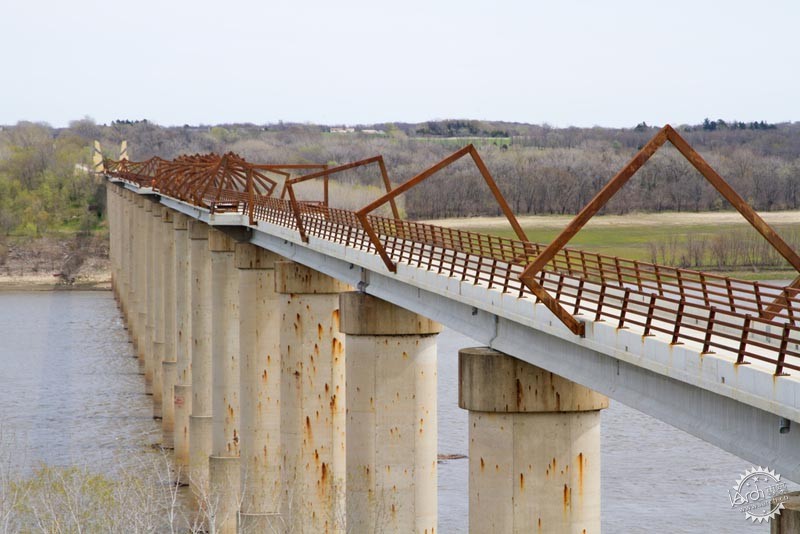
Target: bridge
[[290, 346]]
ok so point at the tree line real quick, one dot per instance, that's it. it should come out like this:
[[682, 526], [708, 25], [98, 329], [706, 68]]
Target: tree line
[[540, 169]]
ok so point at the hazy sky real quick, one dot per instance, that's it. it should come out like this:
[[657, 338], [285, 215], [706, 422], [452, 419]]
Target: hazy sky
[[566, 63]]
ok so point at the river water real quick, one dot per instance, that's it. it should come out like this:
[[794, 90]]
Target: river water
[[71, 394]]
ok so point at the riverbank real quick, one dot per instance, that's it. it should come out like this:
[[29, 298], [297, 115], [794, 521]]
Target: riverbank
[[100, 281], [55, 263]]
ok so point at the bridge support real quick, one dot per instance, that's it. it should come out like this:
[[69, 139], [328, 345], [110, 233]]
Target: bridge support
[[789, 519], [312, 399], [200, 398], [157, 306], [182, 404], [140, 279], [119, 248], [391, 416], [224, 461], [115, 206], [114, 210], [169, 364], [260, 374], [149, 314], [534, 446], [125, 247]]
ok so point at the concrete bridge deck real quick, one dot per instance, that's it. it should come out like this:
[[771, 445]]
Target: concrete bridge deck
[[735, 407]]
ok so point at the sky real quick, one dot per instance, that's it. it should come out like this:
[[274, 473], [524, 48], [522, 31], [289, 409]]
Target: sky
[[560, 62]]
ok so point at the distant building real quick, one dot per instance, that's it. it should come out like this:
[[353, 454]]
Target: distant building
[[373, 132], [342, 130]]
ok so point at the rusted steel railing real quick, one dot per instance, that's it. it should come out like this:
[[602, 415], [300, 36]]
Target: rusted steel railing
[[749, 321], [667, 133]]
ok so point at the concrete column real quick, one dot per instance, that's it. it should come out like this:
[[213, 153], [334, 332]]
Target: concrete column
[[312, 399], [127, 261], [121, 245], [200, 399], [136, 263], [391, 416], [788, 522], [183, 345], [169, 366], [125, 254], [157, 300], [149, 304], [111, 218], [534, 446], [140, 242], [224, 461], [260, 375]]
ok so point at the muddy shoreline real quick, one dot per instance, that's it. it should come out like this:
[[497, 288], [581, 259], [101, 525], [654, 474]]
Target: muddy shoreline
[[55, 263], [95, 282]]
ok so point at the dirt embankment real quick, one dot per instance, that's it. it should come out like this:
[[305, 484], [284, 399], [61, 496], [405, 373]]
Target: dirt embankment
[[631, 219], [49, 263]]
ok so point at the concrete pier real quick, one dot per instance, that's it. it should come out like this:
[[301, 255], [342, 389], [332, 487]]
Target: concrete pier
[[534, 446], [113, 234], [157, 266], [182, 400], [312, 399], [169, 364], [788, 522], [140, 236], [121, 249], [129, 261], [150, 296], [391, 416], [200, 317], [260, 389], [225, 416]]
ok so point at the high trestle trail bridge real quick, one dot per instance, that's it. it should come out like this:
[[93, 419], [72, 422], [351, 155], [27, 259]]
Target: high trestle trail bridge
[[290, 346]]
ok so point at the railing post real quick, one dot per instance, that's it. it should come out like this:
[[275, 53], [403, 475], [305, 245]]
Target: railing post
[[650, 312], [743, 344], [782, 351], [624, 309], [599, 312], [678, 321], [709, 331]]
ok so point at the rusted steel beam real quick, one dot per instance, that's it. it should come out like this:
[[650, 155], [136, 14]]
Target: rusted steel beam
[[667, 133], [390, 196], [297, 217], [528, 275], [209, 179], [326, 172], [594, 205], [388, 185], [734, 198], [498, 196]]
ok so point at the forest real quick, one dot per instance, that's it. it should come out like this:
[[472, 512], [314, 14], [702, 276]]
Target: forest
[[44, 188]]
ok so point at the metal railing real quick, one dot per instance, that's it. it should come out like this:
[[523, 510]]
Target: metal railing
[[747, 320]]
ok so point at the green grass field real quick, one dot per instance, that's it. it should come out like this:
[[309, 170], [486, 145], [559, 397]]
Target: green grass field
[[458, 142], [638, 242]]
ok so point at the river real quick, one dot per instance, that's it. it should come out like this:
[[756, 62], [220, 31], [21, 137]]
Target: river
[[71, 394]]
